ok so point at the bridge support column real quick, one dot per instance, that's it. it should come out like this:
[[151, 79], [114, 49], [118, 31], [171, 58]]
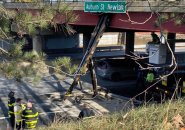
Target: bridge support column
[[130, 38], [171, 36], [121, 38], [86, 39], [37, 43]]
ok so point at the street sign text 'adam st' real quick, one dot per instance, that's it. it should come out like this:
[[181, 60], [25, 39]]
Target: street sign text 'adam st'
[[105, 6]]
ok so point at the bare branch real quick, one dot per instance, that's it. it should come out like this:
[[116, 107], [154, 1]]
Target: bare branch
[[134, 22], [136, 57]]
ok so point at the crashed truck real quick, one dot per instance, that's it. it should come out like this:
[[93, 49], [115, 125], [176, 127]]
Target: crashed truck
[[169, 76], [159, 57]]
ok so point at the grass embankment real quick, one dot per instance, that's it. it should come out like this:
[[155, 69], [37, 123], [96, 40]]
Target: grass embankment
[[148, 117]]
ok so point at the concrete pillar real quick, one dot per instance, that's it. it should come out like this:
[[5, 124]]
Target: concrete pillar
[[171, 36], [37, 43], [121, 38], [86, 39], [130, 38]]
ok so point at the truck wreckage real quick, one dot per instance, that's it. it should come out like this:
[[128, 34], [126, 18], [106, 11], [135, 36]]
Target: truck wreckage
[[68, 105]]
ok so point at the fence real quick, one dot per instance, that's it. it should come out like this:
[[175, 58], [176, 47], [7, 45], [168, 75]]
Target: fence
[[5, 45]]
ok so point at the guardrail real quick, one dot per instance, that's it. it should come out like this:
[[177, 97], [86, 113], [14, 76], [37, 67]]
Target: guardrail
[[110, 48], [134, 6], [5, 46], [80, 50], [79, 0]]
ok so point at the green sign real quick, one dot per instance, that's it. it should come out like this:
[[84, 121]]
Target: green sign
[[105, 6]]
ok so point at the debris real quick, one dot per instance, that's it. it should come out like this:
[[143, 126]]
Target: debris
[[182, 128], [177, 121]]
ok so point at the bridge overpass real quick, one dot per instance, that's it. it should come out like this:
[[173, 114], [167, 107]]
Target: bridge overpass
[[140, 16]]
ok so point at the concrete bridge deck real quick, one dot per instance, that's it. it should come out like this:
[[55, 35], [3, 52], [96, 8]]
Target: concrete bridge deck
[[132, 6], [140, 16]]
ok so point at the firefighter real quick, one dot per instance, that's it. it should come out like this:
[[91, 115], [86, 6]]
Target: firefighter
[[11, 104], [149, 79], [150, 76], [155, 38], [30, 117], [18, 108]]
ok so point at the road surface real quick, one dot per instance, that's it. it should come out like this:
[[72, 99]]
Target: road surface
[[46, 96]]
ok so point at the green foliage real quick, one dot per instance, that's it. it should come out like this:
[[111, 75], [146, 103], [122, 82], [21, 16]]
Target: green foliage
[[30, 56], [161, 19], [5, 24], [64, 64], [28, 72], [66, 61], [27, 22], [178, 22], [83, 70], [33, 56], [4, 27], [12, 69], [8, 68], [73, 69], [31, 29], [16, 49], [64, 9], [176, 17], [19, 65], [60, 63]]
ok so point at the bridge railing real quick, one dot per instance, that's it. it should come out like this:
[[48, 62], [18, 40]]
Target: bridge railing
[[66, 1], [133, 6], [5, 45], [43, 1]]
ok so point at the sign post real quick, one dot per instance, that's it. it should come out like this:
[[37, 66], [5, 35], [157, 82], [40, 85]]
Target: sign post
[[105, 6]]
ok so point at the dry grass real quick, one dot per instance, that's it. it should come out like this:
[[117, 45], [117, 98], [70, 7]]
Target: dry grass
[[149, 117]]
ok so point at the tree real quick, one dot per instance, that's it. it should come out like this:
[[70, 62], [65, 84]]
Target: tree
[[26, 21], [18, 64]]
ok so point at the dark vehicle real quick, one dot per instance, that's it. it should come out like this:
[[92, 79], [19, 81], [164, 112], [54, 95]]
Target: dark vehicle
[[117, 69]]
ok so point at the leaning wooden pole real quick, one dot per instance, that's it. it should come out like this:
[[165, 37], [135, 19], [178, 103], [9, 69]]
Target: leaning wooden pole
[[93, 77], [95, 37]]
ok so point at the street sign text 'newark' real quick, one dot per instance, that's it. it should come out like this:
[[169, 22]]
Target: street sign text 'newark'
[[105, 6]]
